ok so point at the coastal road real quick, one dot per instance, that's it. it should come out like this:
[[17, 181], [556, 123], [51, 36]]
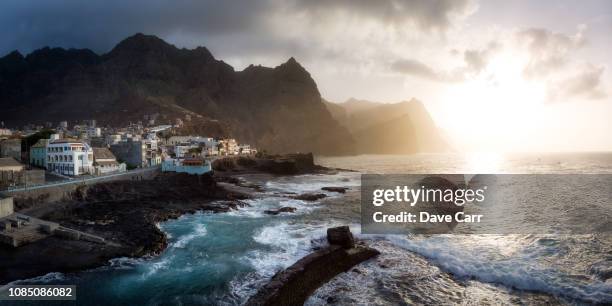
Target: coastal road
[[76, 180]]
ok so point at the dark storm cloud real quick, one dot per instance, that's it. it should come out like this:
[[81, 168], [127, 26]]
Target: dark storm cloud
[[27, 25], [232, 26]]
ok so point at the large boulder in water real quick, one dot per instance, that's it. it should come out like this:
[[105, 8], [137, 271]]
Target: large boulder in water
[[335, 189], [310, 197], [286, 209], [341, 236]]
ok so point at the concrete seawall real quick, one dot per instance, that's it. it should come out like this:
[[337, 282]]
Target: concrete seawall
[[37, 195]]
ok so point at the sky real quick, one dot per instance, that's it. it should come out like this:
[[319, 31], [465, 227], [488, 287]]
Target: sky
[[495, 75]]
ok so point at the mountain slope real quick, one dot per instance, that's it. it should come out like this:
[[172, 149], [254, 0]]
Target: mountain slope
[[278, 109], [393, 128]]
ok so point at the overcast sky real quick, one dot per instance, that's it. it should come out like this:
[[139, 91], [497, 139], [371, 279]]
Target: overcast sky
[[474, 64]]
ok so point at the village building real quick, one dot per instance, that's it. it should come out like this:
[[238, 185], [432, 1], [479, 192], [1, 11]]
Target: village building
[[5, 132], [11, 148], [228, 147], [69, 157], [137, 154], [11, 172], [112, 139], [14, 174], [38, 153], [132, 153], [189, 165], [105, 162]]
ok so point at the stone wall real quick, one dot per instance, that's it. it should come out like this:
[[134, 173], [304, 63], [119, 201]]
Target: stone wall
[[56, 192]]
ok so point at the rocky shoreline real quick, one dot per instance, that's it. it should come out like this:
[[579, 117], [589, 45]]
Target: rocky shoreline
[[127, 214]]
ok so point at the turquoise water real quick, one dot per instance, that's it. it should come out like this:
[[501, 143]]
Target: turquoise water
[[217, 258], [222, 259]]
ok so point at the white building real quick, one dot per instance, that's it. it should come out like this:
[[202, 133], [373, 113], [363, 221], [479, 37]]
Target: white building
[[69, 157], [182, 151], [208, 144], [228, 146], [5, 132], [244, 149], [93, 132], [159, 128]]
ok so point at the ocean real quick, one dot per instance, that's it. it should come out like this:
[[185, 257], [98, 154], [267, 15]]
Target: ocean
[[222, 259]]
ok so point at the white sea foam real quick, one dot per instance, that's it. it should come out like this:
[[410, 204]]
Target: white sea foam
[[157, 265], [47, 278], [314, 183], [258, 207], [519, 272], [198, 231], [122, 263]]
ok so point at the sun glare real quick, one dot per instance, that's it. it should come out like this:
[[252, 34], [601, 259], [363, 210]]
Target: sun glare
[[501, 101]]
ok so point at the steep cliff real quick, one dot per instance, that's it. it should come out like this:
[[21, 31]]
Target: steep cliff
[[278, 109], [389, 128]]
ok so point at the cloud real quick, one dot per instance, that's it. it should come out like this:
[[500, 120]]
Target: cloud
[[553, 59], [584, 84], [548, 51], [99, 25], [477, 60], [416, 68], [259, 26], [426, 15], [474, 62]]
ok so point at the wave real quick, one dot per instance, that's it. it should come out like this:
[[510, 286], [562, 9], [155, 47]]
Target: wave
[[257, 207], [199, 231], [156, 266], [124, 263], [314, 183], [517, 272], [52, 277]]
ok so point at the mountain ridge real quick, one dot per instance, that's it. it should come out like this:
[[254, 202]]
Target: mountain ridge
[[403, 127], [278, 109]]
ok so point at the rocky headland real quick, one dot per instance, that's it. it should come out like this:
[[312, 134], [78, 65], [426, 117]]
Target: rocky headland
[[126, 213]]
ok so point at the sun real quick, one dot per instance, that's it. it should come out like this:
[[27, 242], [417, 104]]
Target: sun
[[497, 103]]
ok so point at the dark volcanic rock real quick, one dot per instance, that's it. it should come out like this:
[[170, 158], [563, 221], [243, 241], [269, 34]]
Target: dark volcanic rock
[[125, 213], [341, 236], [295, 284], [280, 210], [311, 197], [335, 189], [288, 164], [602, 269]]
